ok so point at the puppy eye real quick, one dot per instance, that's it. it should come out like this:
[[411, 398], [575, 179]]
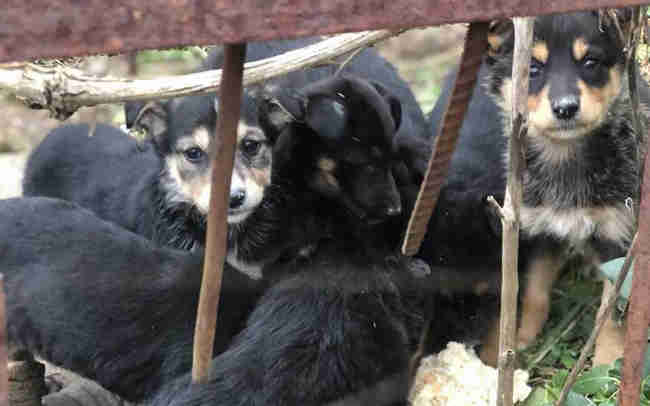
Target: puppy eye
[[250, 147], [535, 68], [590, 63], [194, 154]]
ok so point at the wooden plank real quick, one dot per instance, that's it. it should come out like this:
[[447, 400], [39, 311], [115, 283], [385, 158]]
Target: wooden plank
[[43, 29]]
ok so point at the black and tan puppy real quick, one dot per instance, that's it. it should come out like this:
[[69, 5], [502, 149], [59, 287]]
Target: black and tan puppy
[[411, 137], [584, 155], [332, 171], [159, 187]]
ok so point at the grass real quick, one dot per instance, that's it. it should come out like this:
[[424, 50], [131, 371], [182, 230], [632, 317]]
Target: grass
[[574, 305]]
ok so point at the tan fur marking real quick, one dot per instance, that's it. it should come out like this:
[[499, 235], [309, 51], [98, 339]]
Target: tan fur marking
[[201, 137], [261, 176], [580, 48], [494, 43], [244, 130], [595, 102], [609, 343], [200, 191], [540, 51], [536, 301], [327, 164], [490, 344], [481, 288], [327, 181], [540, 114]]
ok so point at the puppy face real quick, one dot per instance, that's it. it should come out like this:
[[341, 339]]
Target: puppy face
[[576, 73], [186, 146], [339, 133]]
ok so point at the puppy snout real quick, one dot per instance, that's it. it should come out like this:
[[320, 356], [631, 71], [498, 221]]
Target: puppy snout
[[566, 107], [237, 198]]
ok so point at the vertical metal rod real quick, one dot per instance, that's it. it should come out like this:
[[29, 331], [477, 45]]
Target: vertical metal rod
[[222, 163], [636, 337], [445, 143], [510, 213], [4, 359], [638, 317]]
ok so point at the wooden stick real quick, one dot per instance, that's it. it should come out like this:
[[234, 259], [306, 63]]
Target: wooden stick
[[63, 90], [215, 252], [600, 321], [510, 212]]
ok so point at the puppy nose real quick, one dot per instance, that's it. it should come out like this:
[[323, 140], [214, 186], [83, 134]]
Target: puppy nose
[[566, 107], [237, 198], [394, 210]]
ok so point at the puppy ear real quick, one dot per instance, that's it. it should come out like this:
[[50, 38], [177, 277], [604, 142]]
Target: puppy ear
[[498, 34], [393, 102], [276, 112], [148, 116], [327, 115]]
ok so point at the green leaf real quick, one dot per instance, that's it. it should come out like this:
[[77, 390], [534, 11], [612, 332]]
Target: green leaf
[[593, 381], [612, 268], [574, 399], [567, 360], [539, 397], [559, 378]]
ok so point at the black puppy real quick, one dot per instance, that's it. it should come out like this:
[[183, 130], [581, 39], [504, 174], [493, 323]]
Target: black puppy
[[411, 137], [333, 163], [90, 296], [159, 187]]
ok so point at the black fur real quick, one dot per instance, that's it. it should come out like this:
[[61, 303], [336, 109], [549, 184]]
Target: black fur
[[411, 139], [94, 298], [463, 240], [360, 191]]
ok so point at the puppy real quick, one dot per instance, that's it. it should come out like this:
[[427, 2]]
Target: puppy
[[92, 297], [159, 187], [584, 154]]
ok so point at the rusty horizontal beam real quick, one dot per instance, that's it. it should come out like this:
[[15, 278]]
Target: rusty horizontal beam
[[43, 28]]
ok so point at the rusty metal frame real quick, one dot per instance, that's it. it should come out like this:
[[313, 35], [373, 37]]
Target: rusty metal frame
[[45, 29], [42, 29]]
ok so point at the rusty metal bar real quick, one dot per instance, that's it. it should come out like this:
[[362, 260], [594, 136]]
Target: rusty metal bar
[[636, 337], [223, 154], [445, 142], [45, 29], [4, 359], [638, 317]]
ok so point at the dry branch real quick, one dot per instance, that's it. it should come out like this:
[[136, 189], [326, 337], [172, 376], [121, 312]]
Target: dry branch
[[509, 213], [63, 90]]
